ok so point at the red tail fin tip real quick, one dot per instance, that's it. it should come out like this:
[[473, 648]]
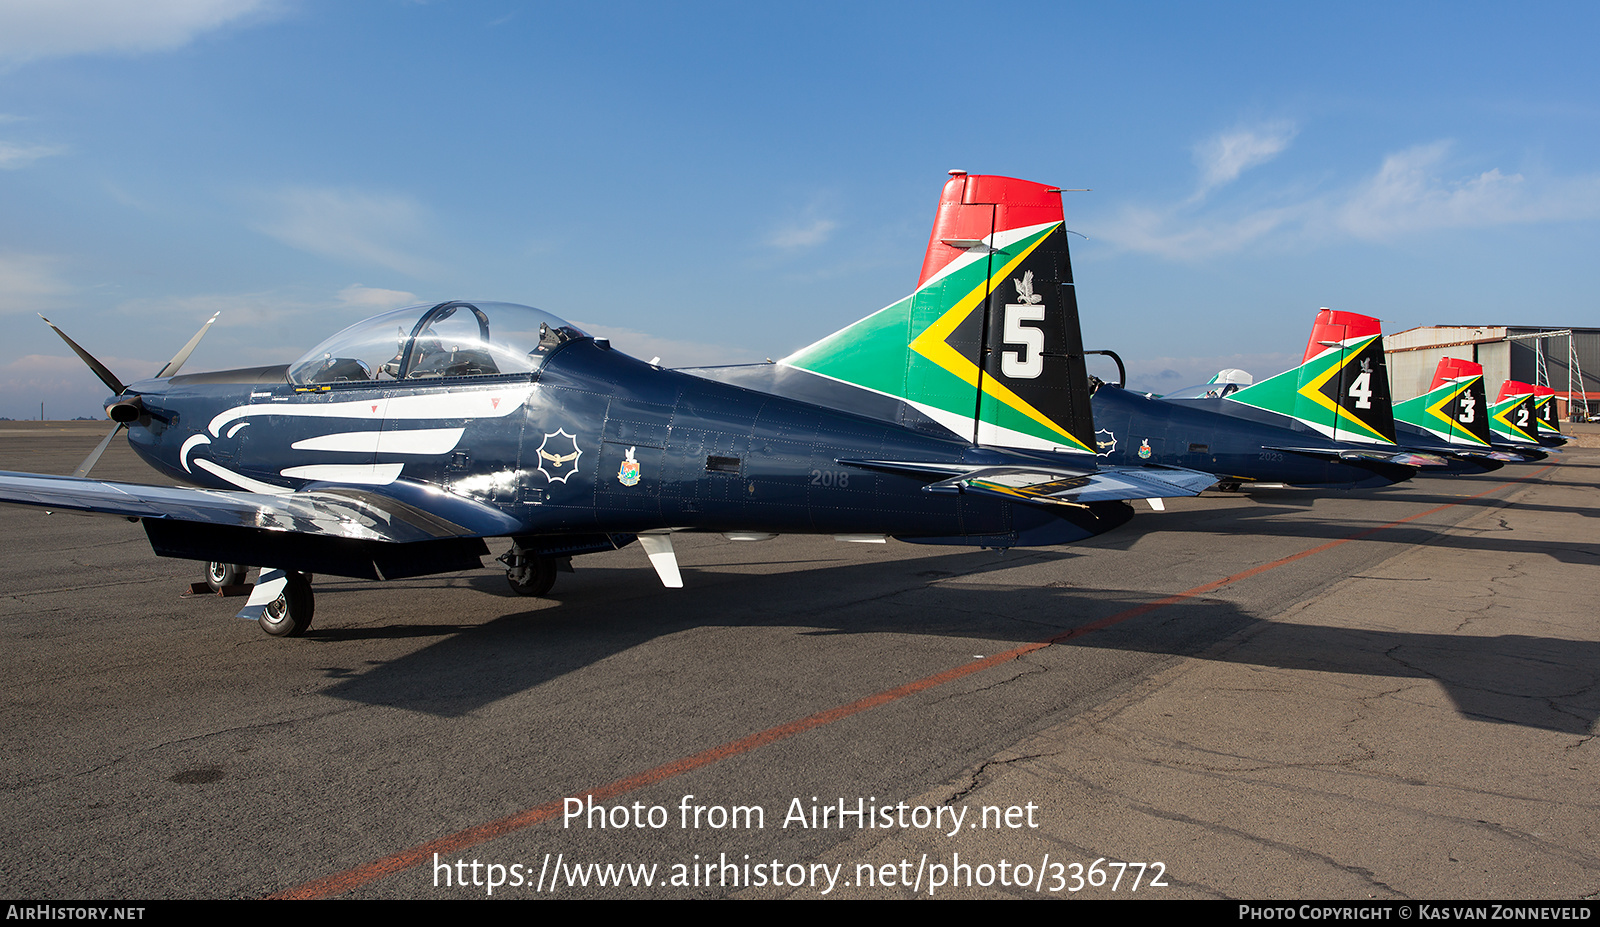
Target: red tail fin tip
[[975, 206]]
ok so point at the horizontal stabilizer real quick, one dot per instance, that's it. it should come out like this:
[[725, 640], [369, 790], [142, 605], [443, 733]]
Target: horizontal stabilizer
[[1049, 485], [1376, 455]]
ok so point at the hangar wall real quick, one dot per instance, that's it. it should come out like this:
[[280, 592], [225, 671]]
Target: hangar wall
[[1415, 352]]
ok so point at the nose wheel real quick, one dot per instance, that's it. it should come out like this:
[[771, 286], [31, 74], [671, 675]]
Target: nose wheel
[[527, 573]]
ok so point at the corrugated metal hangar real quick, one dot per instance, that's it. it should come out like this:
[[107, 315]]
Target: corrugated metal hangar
[[1566, 360]]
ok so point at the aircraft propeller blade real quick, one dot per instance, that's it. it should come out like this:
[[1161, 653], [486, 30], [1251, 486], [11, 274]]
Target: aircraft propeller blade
[[106, 376], [94, 455], [171, 370], [110, 380]]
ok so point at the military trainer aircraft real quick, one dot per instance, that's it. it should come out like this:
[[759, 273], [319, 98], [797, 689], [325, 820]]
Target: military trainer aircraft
[[1453, 418], [397, 446], [913, 363], [1326, 423], [1544, 409], [1524, 414]]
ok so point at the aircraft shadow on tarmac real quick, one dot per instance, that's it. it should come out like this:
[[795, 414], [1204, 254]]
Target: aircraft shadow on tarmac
[[1297, 517], [1539, 682]]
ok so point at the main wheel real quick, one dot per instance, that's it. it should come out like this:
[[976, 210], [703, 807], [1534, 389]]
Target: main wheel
[[289, 615], [534, 575], [219, 575]]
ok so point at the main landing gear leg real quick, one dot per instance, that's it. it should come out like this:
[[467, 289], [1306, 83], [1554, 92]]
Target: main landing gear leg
[[528, 573]]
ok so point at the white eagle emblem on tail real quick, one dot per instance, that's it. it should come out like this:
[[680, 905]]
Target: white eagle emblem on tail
[[1025, 289]]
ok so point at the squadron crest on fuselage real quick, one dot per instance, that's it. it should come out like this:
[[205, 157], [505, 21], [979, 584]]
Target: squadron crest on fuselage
[[558, 456]]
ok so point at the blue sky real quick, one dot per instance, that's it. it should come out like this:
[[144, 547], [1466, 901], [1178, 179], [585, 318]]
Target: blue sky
[[728, 182]]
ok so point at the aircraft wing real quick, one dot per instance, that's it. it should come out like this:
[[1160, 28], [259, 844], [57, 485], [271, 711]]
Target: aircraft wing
[[403, 513], [402, 529], [1046, 485]]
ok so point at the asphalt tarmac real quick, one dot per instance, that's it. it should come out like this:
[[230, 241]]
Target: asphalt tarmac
[[1385, 694]]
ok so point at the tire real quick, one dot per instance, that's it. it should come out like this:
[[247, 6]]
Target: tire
[[289, 615], [538, 576], [219, 575]]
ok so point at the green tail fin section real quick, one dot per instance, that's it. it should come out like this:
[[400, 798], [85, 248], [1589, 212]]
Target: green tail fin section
[[1456, 410], [1341, 389], [988, 345], [1514, 420]]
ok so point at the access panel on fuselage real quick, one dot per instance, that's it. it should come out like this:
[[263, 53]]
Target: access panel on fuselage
[[464, 435], [632, 454]]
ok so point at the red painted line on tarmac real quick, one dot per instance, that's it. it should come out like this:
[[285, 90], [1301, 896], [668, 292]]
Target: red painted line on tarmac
[[351, 879]]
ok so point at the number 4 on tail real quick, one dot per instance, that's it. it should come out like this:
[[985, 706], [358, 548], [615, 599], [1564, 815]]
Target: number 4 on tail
[[1361, 390]]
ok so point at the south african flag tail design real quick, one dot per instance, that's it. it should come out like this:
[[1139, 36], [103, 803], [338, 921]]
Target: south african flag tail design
[[1512, 417], [1340, 389], [988, 345], [1455, 408], [1544, 411]]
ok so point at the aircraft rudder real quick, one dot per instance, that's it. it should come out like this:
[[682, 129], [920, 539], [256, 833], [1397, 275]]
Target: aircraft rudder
[[1341, 387], [1455, 407], [1544, 406], [988, 345], [1512, 416]]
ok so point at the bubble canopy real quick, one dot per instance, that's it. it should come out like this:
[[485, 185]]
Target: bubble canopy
[[453, 339], [1211, 390]]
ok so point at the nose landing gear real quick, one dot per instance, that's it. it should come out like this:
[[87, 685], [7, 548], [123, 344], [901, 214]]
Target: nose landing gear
[[528, 573]]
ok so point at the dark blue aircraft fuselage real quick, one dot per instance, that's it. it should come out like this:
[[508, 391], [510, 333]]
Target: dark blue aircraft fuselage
[[1134, 429], [593, 443]]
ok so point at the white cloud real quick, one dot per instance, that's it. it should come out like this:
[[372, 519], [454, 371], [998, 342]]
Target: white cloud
[[350, 225], [28, 282], [1164, 374], [271, 327], [14, 156], [34, 29], [802, 235], [64, 384], [809, 229], [644, 346], [1408, 194], [376, 300], [1171, 234], [1411, 192], [1223, 157]]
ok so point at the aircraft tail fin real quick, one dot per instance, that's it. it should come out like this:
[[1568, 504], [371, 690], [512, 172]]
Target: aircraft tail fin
[[1341, 388], [1544, 409], [988, 345], [1512, 416], [1455, 407], [1451, 368]]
